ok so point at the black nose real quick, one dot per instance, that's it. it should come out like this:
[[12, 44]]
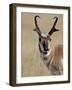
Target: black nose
[[46, 49], [45, 46]]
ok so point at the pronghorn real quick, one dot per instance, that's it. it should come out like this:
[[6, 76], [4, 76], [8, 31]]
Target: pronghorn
[[51, 58]]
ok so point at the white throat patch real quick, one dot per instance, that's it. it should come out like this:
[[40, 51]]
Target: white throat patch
[[45, 55]]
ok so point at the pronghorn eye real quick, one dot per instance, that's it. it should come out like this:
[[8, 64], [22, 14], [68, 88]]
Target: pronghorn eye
[[40, 39]]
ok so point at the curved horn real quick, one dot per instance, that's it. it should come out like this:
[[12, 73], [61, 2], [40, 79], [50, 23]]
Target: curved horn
[[53, 29], [37, 28], [36, 22], [55, 21]]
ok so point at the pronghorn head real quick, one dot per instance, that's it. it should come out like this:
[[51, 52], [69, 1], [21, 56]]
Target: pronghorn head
[[44, 38]]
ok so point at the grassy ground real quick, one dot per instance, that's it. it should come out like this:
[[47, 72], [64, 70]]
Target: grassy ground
[[31, 63]]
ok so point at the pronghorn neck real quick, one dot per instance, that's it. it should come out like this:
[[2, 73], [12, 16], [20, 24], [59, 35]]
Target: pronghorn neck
[[54, 60]]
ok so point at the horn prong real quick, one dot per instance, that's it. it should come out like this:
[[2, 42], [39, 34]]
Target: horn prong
[[53, 29]]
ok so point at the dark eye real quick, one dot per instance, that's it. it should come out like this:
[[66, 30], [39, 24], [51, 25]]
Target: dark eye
[[39, 39], [43, 43]]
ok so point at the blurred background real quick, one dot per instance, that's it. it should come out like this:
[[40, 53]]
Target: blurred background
[[31, 64]]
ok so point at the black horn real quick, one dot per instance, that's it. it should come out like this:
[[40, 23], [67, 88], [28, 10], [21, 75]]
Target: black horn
[[53, 29], [36, 25]]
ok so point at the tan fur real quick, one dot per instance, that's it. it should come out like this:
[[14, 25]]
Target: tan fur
[[54, 60], [56, 54]]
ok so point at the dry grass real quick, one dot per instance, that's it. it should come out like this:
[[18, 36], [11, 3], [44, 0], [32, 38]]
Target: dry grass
[[31, 63]]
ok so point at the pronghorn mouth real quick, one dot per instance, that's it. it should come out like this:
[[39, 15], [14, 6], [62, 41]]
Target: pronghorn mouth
[[44, 55]]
